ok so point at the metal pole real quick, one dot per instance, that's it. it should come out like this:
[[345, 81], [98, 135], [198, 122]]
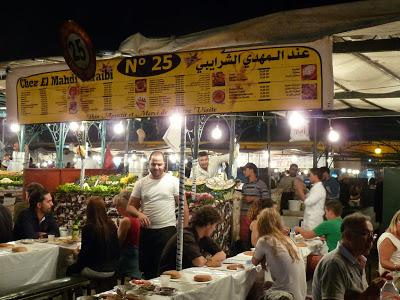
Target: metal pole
[[179, 240], [269, 152], [232, 134], [126, 164], [195, 151], [84, 144], [60, 149], [103, 133], [315, 161]]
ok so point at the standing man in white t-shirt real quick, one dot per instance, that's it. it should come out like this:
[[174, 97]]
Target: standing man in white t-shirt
[[153, 202]]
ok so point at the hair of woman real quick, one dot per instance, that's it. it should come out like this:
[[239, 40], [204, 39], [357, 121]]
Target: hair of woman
[[122, 199], [393, 223], [270, 227], [97, 217]]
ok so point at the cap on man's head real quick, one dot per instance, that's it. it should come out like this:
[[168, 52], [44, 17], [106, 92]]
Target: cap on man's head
[[252, 167]]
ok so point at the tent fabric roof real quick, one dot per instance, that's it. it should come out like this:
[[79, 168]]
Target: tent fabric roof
[[364, 72]]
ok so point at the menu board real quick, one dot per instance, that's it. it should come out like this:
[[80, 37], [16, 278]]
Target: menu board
[[197, 82]]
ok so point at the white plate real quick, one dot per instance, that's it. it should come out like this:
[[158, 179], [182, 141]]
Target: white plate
[[27, 241]]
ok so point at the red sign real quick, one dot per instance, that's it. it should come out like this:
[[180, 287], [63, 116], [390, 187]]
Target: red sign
[[78, 49]]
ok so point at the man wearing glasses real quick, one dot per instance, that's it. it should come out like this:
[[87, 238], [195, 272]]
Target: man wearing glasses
[[341, 273]]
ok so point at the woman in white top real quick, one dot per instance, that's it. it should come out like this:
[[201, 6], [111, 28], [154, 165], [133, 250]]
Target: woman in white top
[[314, 201], [277, 252], [389, 247]]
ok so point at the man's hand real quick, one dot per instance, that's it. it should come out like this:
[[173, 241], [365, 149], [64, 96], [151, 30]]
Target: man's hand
[[144, 220], [374, 288]]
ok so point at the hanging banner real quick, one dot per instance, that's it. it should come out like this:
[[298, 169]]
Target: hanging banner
[[295, 77]]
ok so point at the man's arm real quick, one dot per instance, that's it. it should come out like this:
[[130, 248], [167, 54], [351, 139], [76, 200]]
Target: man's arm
[[185, 211], [307, 234], [133, 208], [199, 261], [219, 256]]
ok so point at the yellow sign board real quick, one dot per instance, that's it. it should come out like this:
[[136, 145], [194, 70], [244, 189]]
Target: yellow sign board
[[198, 82]]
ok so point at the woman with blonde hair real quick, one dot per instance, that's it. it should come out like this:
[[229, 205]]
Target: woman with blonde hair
[[128, 236], [278, 253], [389, 247]]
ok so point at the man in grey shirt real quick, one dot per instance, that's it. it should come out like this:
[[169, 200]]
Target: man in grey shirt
[[341, 273]]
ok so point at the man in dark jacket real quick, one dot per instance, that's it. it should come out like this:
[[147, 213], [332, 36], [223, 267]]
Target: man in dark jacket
[[37, 220]]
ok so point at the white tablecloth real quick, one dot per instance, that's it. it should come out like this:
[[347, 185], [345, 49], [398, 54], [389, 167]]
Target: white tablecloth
[[226, 284], [37, 265]]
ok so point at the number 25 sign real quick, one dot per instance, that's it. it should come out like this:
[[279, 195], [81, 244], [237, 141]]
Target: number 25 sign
[[78, 49]]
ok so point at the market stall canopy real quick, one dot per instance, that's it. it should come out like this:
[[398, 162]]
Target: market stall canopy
[[366, 37]]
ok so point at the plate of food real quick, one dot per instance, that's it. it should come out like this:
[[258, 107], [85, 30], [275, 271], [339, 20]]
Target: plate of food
[[27, 241], [199, 181], [217, 183]]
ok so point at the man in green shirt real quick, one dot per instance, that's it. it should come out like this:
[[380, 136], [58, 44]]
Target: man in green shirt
[[329, 229]]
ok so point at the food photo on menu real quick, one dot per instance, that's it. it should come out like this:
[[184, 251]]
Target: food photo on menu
[[218, 96], [309, 91]]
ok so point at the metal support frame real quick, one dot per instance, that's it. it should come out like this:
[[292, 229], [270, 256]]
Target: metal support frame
[[231, 123], [59, 133]]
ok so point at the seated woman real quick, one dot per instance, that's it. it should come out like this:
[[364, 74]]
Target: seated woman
[[277, 251], [253, 213], [6, 225], [99, 254], [128, 235], [389, 248], [198, 247]]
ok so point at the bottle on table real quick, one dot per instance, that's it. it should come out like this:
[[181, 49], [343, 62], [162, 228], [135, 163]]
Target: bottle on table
[[389, 290], [75, 230]]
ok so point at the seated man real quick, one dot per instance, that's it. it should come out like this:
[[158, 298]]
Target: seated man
[[197, 242], [20, 206], [329, 229], [341, 273], [37, 220]]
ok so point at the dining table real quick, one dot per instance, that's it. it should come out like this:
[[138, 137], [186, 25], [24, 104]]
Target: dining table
[[41, 261]]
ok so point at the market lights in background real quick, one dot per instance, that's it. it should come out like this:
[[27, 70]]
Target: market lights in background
[[333, 135], [175, 120], [216, 133], [14, 127], [296, 120], [119, 128]]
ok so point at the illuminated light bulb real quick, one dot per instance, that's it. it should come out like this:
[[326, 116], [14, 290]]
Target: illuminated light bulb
[[296, 120], [119, 128], [216, 133], [73, 126], [333, 135], [15, 127]]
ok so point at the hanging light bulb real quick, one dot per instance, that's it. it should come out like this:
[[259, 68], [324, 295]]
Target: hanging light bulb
[[216, 133], [176, 120], [73, 126], [14, 127], [119, 128], [378, 150], [333, 135], [296, 120]]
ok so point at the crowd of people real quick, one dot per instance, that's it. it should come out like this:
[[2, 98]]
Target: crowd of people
[[143, 245]]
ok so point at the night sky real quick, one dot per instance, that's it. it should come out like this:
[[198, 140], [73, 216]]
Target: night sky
[[32, 30]]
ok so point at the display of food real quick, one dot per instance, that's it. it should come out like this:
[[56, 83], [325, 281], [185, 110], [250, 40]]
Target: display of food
[[11, 180], [218, 183], [199, 181]]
